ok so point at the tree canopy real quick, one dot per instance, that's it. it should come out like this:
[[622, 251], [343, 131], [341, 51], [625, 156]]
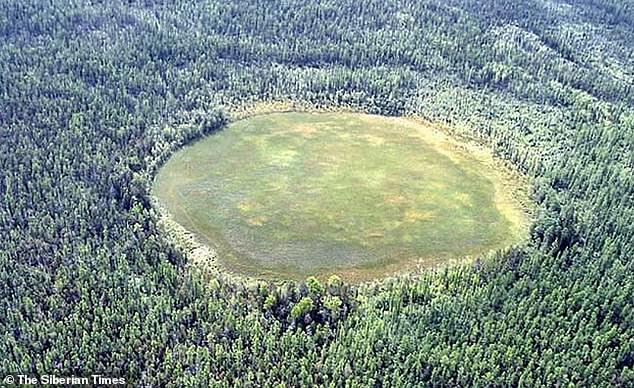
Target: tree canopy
[[95, 96]]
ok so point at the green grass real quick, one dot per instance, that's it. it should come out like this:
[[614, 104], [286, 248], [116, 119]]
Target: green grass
[[288, 195]]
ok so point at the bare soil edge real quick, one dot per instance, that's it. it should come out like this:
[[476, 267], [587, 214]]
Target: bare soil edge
[[513, 202]]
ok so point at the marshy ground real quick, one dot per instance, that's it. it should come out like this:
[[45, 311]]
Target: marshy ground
[[288, 195]]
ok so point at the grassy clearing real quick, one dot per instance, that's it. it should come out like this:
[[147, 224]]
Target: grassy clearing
[[287, 195]]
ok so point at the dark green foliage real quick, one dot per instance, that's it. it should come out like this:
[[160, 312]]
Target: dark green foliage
[[94, 97]]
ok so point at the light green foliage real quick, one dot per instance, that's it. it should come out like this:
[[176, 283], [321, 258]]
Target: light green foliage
[[314, 286], [332, 303], [334, 284], [270, 301], [301, 308]]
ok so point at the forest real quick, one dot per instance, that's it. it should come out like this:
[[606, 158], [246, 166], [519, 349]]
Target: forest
[[96, 95]]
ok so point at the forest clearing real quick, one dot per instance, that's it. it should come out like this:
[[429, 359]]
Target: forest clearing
[[291, 195]]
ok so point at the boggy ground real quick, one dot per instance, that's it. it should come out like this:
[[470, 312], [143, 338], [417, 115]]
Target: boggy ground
[[288, 195]]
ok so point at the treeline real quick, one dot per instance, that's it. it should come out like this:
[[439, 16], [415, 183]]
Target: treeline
[[94, 97]]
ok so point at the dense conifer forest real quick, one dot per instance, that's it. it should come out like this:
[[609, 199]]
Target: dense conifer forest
[[96, 95]]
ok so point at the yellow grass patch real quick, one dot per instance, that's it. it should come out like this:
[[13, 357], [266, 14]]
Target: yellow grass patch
[[373, 140], [257, 221], [464, 199], [414, 216], [245, 207], [305, 130]]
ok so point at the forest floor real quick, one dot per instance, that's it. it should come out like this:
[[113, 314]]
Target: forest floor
[[289, 195]]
